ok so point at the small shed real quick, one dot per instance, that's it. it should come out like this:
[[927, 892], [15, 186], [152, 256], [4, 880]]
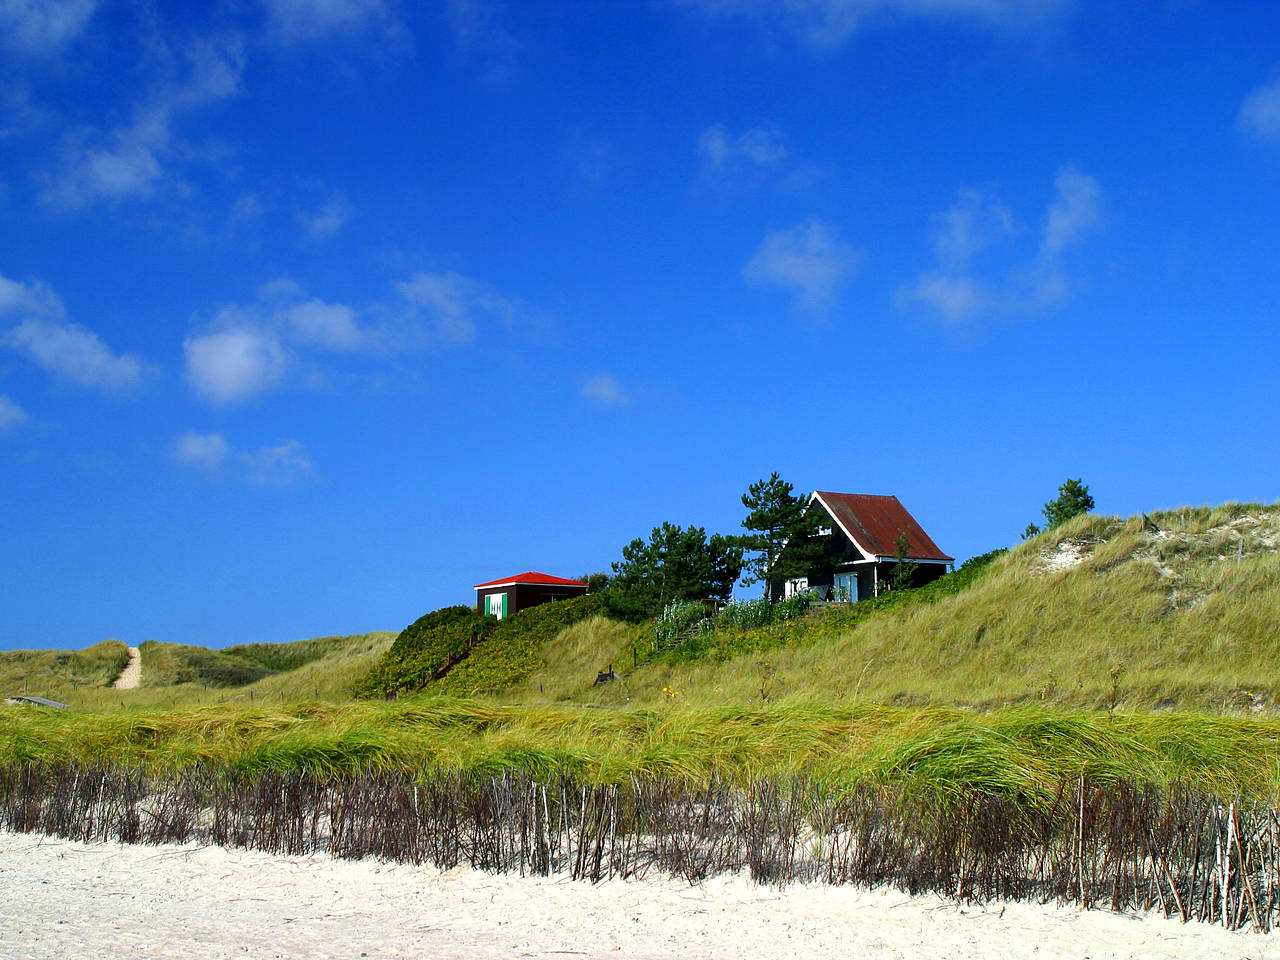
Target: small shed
[[501, 598]]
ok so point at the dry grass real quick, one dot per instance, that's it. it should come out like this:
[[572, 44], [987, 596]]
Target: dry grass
[[1183, 617], [83, 679]]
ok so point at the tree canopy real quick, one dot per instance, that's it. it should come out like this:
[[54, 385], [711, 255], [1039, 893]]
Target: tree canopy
[[676, 563], [782, 542], [1073, 499]]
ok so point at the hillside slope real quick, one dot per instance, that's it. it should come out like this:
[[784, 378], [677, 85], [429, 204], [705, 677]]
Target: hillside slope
[[178, 675], [1178, 609]]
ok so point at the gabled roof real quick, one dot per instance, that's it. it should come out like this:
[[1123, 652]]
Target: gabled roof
[[873, 522], [535, 579]]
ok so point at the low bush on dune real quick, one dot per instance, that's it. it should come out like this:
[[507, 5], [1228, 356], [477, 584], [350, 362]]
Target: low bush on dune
[[465, 652]]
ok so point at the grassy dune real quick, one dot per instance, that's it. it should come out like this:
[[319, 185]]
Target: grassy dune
[[1179, 612], [1141, 648], [177, 676], [63, 675]]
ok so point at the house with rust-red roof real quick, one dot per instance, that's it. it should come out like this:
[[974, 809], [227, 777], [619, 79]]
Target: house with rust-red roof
[[501, 598], [863, 532]]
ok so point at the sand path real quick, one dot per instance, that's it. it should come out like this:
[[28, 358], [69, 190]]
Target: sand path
[[131, 675], [63, 899]]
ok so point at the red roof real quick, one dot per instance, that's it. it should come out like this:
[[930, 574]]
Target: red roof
[[874, 522], [538, 579]]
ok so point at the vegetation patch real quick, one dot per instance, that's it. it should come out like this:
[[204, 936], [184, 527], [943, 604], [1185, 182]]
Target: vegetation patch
[[58, 673], [457, 650]]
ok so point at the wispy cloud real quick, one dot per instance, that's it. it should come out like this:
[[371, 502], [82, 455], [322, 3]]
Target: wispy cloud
[[722, 152], [130, 161], [1259, 114], [209, 451], [67, 350], [830, 23], [810, 260], [604, 389], [328, 221], [478, 30], [965, 283], [42, 28], [278, 464], [452, 305], [328, 326], [247, 350], [306, 21], [11, 415]]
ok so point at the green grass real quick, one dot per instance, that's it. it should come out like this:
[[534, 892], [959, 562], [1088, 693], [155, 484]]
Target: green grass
[[177, 676], [1187, 618], [61, 674], [1023, 753]]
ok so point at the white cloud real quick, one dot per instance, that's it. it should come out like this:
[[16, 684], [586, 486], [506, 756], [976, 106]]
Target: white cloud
[[327, 326], [1075, 210], [955, 297], [328, 220], [245, 350], [279, 465], [604, 389], [129, 161], [303, 21], [454, 304], [75, 354], [810, 260], [11, 415], [964, 285], [42, 28], [206, 450], [33, 298], [66, 350], [234, 363], [829, 23], [1260, 113], [973, 224], [720, 151]]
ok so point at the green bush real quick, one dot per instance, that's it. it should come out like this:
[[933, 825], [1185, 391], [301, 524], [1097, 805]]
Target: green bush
[[463, 652], [512, 650], [426, 650]]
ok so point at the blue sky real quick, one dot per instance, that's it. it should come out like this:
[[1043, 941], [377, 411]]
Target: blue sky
[[315, 313]]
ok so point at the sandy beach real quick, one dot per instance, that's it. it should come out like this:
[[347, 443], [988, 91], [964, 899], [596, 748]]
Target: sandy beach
[[66, 899]]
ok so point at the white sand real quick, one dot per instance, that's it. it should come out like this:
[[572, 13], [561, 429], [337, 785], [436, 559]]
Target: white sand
[[73, 900], [131, 675]]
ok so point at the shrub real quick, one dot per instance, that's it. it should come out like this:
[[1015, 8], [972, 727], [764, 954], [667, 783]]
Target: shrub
[[512, 649], [426, 650], [678, 620], [467, 653]]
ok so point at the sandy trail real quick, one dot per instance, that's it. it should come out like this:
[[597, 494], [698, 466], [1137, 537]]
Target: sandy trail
[[64, 899], [131, 675]]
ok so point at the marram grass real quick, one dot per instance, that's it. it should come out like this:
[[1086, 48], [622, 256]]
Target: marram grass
[[1023, 754]]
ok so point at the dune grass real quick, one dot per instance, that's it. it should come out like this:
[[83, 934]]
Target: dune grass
[[1178, 612], [1023, 753], [177, 676], [61, 674]]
